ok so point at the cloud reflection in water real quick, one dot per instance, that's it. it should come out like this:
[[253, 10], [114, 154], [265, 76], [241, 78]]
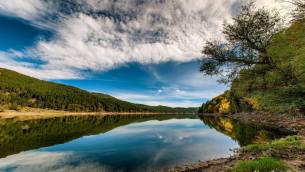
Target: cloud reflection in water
[[136, 147]]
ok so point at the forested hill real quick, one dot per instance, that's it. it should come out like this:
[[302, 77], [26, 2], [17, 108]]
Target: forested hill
[[261, 89], [17, 90], [266, 63]]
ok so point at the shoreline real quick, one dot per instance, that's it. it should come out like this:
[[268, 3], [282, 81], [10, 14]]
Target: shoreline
[[293, 124], [291, 157], [295, 159], [32, 113]]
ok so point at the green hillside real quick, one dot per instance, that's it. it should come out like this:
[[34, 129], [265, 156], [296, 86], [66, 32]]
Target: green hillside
[[17, 90], [261, 89], [282, 89]]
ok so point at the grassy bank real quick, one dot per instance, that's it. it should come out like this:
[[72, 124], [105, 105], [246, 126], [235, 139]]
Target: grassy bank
[[263, 164], [281, 155]]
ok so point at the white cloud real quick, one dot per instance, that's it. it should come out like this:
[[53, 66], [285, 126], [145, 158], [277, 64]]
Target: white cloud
[[147, 32], [87, 42], [29, 9], [154, 100], [171, 97], [6, 61], [179, 85]]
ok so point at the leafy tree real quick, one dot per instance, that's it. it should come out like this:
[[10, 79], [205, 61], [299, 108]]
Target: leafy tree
[[247, 39], [264, 62]]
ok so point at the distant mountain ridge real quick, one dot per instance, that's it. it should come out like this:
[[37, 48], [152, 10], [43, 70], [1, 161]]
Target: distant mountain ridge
[[18, 90]]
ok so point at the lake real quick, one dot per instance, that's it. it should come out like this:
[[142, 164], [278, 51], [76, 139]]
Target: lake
[[121, 143]]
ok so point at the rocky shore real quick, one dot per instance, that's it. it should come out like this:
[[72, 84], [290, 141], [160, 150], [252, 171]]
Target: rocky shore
[[293, 158], [292, 155], [293, 123]]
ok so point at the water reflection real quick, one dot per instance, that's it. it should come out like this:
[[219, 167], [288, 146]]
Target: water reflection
[[119, 143], [21, 135], [243, 133]]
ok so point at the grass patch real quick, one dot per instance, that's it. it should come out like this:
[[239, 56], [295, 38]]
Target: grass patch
[[296, 142], [262, 164]]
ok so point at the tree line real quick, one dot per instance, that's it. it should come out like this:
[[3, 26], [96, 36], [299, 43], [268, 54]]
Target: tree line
[[17, 90]]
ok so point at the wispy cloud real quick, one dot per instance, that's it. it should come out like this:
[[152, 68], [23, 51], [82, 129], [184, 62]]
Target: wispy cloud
[[172, 97], [103, 34], [10, 60], [100, 35], [29, 9]]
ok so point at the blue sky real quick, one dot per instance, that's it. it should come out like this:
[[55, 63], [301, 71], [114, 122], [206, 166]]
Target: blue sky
[[140, 51]]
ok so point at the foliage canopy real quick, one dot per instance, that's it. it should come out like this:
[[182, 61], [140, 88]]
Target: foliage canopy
[[247, 39], [264, 62]]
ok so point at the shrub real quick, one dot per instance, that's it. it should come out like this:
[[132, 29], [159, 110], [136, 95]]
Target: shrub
[[295, 142], [15, 107], [262, 164]]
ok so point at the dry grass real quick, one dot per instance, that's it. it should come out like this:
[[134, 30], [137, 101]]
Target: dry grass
[[28, 113]]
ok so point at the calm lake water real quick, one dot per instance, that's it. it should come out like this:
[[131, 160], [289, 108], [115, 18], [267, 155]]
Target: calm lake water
[[120, 143]]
